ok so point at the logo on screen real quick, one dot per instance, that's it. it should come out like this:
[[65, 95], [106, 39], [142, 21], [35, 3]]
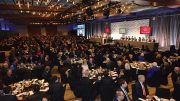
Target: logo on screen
[[107, 30], [145, 30]]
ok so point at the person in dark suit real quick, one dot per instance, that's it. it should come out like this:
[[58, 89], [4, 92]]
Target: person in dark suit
[[86, 87], [9, 78], [106, 88], [175, 75], [141, 90], [5, 93], [37, 96], [91, 63], [119, 96], [123, 86], [8, 98], [56, 90], [177, 89]]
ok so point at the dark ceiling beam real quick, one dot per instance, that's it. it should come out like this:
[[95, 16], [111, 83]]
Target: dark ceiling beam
[[25, 21], [4, 2], [24, 8], [19, 16]]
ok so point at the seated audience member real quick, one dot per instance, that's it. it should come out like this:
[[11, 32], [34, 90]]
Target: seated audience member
[[119, 96], [37, 96], [106, 88], [9, 78], [175, 75], [86, 87], [177, 89], [7, 95], [84, 66], [153, 75], [45, 98], [1, 88], [56, 90], [165, 70], [141, 57], [123, 88], [46, 73], [141, 90], [143, 39], [127, 71], [3, 69]]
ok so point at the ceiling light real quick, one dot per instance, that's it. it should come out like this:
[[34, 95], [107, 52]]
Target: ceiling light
[[33, 13]]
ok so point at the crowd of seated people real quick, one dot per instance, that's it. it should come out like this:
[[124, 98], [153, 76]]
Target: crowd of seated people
[[132, 38], [76, 57]]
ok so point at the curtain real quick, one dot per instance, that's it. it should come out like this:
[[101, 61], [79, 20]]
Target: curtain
[[95, 28], [166, 30]]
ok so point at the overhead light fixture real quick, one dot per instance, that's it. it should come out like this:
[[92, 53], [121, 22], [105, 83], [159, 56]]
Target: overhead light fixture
[[33, 13]]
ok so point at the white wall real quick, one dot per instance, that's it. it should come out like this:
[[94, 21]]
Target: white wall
[[132, 28], [22, 29]]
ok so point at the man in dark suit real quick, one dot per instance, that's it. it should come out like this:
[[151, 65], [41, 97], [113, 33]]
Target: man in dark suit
[[119, 95], [56, 90], [140, 89], [86, 87], [123, 87], [5, 94], [106, 88], [175, 75], [8, 98]]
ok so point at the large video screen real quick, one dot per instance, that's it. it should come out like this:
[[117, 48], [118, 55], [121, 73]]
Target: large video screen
[[81, 30], [122, 31]]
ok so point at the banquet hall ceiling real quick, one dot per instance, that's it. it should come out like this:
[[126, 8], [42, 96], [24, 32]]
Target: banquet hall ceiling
[[71, 11]]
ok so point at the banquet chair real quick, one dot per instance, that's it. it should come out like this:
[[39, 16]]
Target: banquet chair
[[163, 92]]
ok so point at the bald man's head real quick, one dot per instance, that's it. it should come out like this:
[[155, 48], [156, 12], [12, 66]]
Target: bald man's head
[[141, 78], [176, 69]]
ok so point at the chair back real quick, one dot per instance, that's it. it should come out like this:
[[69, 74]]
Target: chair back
[[163, 93]]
